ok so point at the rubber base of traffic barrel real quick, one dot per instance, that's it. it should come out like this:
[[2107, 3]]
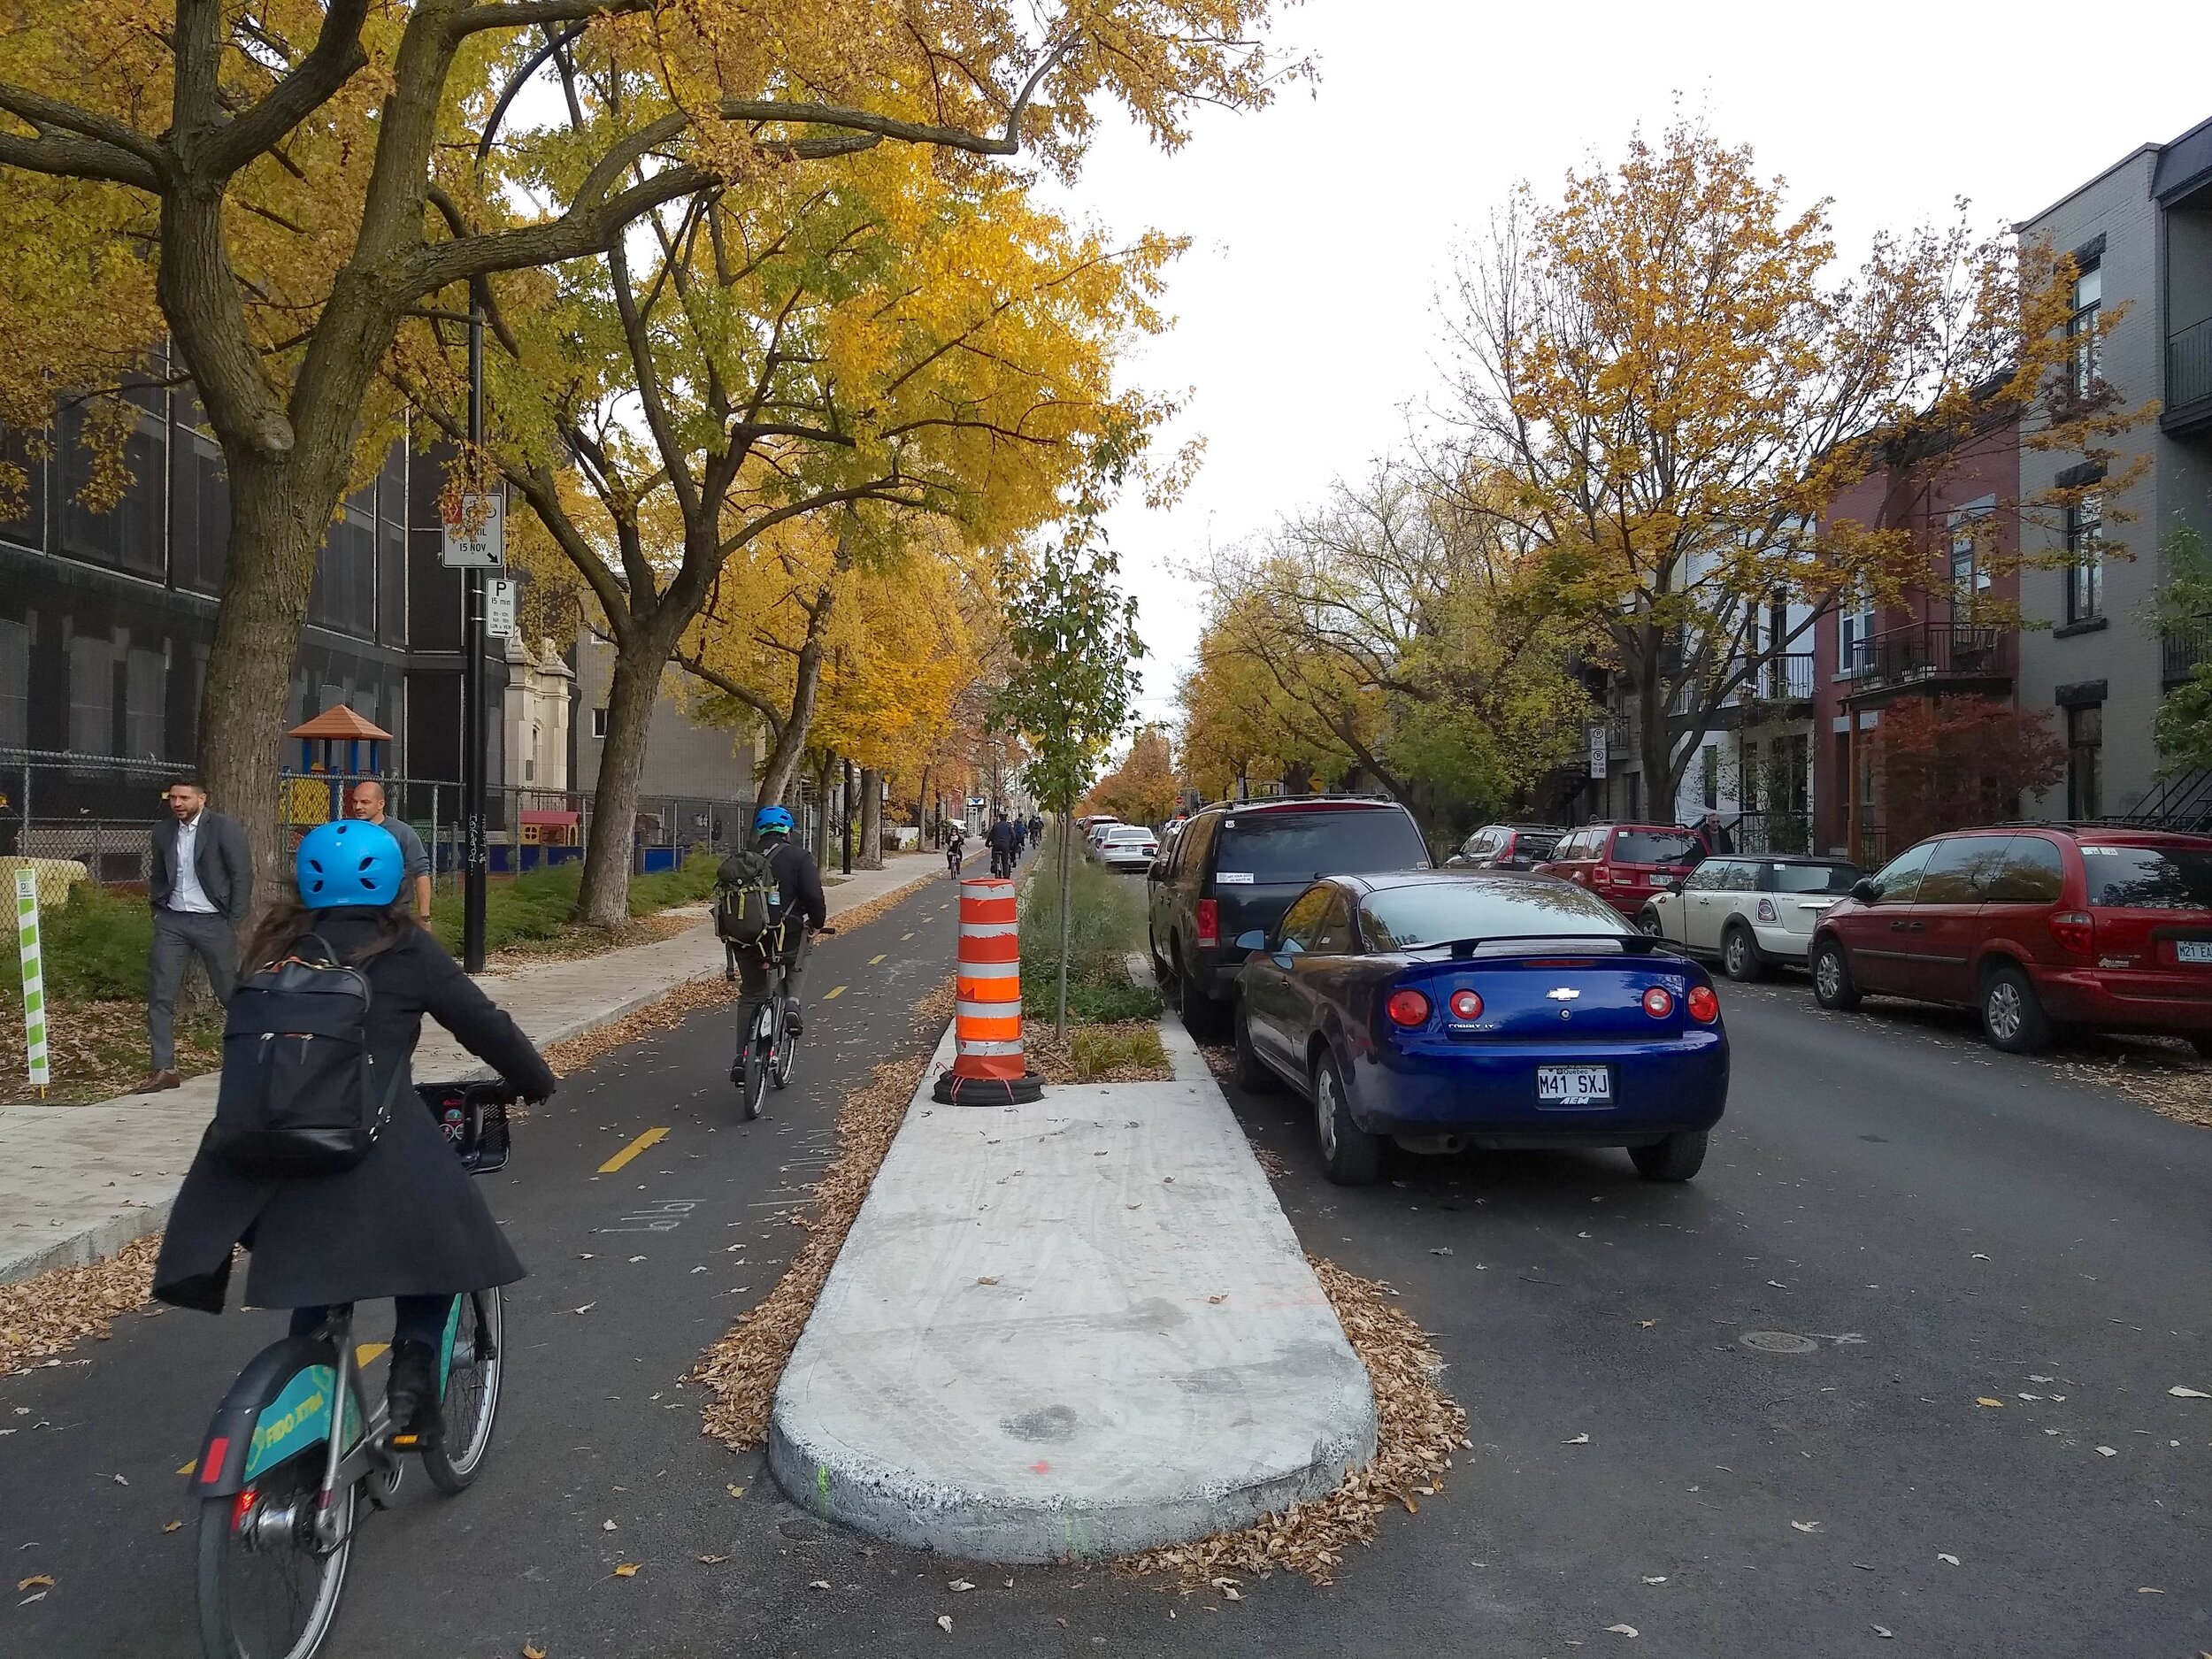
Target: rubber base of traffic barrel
[[954, 1090]]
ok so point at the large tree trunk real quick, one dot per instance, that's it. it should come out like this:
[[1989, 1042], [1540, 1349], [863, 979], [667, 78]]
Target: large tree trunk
[[604, 899], [870, 818], [822, 773], [279, 512], [783, 759]]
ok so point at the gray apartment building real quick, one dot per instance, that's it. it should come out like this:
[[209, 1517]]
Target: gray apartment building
[[2140, 232]]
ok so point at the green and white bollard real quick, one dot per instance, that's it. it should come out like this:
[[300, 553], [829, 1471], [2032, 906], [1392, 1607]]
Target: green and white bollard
[[33, 976]]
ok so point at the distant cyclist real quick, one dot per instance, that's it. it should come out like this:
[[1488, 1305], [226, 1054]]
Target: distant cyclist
[[800, 910], [1004, 846], [955, 848], [405, 1222]]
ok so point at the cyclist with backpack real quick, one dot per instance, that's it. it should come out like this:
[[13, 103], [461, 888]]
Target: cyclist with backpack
[[1004, 846], [321, 1159], [768, 906], [955, 848]]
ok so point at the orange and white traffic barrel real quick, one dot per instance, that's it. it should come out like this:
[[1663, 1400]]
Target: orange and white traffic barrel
[[987, 1068]]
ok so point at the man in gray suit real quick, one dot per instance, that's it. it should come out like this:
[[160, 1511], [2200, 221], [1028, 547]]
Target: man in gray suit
[[201, 886]]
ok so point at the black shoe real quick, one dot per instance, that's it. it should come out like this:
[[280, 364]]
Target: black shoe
[[737, 1072], [410, 1393], [794, 1023]]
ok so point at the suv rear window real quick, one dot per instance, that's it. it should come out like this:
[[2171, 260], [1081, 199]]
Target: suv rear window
[[2149, 878], [1812, 878], [1277, 846], [1656, 846], [1534, 843]]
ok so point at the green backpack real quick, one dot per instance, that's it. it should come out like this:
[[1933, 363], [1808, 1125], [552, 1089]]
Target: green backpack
[[745, 898]]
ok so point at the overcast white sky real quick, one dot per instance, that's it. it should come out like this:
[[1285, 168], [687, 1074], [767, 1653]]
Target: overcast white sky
[[1323, 228]]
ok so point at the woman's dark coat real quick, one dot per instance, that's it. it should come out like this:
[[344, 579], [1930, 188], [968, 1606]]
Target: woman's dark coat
[[407, 1219]]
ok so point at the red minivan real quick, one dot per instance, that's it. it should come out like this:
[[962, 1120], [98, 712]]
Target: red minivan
[[2034, 926], [1626, 863]]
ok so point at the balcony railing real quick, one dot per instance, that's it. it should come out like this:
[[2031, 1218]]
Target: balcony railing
[[1783, 677], [2181, 649], [2189, 366], [1930, 652]]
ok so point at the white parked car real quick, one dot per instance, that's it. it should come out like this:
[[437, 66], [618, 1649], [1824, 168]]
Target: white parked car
[[1751, 912], [1127, 847]]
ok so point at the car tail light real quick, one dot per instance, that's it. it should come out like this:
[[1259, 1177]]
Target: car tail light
[[1767, 913], [1209, 923], [2075, 931], [1704, 1005], [1466, 1005], [1407, 1007], [1603, 876], [1658, 1001]]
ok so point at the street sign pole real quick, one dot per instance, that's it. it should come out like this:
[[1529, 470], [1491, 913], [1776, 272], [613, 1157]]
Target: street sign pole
[[475, 857]]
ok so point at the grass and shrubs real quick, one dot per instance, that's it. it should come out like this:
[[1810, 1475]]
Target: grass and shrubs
[[536, 907], [1105, 924]]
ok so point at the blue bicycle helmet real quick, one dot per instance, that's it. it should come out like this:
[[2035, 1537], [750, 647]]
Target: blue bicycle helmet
[[772, 820], [347, 861]]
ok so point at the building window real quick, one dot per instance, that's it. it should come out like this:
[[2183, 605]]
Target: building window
[[2084, 762], [2081, 327], [91, 694], [145, 697], [2084, 559], [15, 685], [1969, 559], [599, 723], [1854, 634], [1710, 756]]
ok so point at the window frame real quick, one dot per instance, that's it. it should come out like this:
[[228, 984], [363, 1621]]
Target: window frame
[[2084, 559], [1319, 896]]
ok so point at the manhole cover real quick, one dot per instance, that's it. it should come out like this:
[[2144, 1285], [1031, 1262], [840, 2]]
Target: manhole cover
[[1779, 1342]]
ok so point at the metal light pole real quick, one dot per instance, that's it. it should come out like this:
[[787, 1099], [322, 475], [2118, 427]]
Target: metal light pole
[[475, 855]]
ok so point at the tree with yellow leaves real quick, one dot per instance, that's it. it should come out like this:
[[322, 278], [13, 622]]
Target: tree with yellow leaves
[[1144, 788], [298, 179]]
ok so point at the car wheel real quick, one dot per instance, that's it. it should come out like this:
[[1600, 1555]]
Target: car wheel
[[1161, 972], [1833, 987], [1349, 1156], [1648, 922], [2203, 1046], [1205, 1018], [1740, 957], [1676, 1158], [1247, 1069], [2012, 1015]]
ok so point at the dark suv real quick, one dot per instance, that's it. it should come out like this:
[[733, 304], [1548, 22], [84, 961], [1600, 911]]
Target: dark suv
[[1236, 866], [2034, 925]]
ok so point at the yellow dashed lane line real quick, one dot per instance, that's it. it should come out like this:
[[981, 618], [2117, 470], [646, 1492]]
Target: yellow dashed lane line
[[874, 960], [651, 1137], [831, 996]]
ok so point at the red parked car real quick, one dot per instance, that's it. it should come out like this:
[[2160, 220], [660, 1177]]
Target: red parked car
[[1626, 863], [2035, 927]]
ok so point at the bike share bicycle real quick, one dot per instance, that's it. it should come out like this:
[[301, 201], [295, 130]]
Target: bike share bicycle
[[282, 1496], [770, 1046]]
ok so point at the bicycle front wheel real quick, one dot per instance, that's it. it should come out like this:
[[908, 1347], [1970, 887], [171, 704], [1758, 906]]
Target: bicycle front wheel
[[472, 1393], [265, 1590]]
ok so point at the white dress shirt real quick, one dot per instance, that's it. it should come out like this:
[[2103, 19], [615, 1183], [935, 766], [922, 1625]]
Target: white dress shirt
[[185, 894]]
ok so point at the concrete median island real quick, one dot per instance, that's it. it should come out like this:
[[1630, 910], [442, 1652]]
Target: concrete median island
[[1079, 1327]]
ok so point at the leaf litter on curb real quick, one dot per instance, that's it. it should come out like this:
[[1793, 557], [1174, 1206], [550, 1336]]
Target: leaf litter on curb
[[1417, 1429], [50, 1313]]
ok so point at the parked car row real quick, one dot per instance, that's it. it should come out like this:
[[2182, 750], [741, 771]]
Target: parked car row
[[1434, 1009]]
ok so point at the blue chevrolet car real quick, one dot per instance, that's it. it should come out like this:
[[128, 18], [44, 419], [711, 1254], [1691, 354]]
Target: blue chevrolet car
[[1447, 1008]]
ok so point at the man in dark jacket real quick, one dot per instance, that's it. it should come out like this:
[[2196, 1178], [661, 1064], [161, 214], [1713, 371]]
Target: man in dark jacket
[[201, 888], [801, 911], [1004, 846]]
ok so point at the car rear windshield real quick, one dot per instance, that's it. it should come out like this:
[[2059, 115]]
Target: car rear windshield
[[1129, 834], [1436, 913], [1656, 846], [1812, 878], [2149, 878], [1262, 847], [1534, 843]]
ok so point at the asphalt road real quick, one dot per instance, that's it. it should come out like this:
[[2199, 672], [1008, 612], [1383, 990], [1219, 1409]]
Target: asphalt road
[[1940, 1225]]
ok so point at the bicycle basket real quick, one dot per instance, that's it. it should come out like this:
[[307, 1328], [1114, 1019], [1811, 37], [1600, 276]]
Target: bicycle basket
[[472, 1117]]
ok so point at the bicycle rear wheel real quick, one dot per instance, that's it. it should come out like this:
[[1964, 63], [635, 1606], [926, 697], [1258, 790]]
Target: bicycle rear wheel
[[786, 1046], [265, 1590], [472, 1393]]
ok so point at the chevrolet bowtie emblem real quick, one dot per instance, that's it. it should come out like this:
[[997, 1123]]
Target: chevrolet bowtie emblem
[[1565, 993]]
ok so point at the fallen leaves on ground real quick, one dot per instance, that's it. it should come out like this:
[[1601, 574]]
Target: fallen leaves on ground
[[944, 1623], [625, 1570], [50, 1313], [1622, 1629], [36, 1581], [1117, 1051], [96, 1051], [741, 1371], [1417, 1429]]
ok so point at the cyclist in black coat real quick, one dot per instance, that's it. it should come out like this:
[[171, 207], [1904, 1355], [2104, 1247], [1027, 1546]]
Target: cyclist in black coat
[[407, 1221], [800, 912]]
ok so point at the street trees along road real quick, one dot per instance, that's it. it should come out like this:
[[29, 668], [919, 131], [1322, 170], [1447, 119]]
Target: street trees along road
[[1144, 789], [1676, 381], [278, 188]]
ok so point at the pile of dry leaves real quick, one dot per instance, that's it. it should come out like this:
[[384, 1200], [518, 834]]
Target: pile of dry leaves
[[742, 1368], [51, 1314], [96, 1051], [1418, 1428]]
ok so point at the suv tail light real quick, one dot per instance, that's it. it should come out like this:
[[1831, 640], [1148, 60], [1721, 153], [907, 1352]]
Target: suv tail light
[[1407, 1007], [1601, 876], [2075, 931], [1209, 924], [1704, 1004]]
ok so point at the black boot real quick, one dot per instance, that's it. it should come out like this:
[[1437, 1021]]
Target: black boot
[[410, 1392]]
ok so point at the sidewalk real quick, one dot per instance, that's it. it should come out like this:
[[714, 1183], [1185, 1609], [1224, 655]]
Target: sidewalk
[[1081, 1327], [78, 1183]]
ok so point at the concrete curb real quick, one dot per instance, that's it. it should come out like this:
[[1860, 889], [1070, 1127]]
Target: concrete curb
[[1050, 1371]]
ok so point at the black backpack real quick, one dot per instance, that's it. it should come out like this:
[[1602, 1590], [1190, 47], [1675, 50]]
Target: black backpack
[[300, 1092], [746, 895]]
